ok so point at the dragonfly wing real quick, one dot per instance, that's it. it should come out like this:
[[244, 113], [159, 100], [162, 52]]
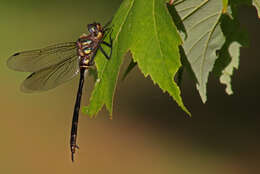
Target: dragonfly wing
[[52, 76], [35, 60]]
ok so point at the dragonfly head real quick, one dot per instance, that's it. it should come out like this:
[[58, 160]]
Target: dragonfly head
[[95, 28]]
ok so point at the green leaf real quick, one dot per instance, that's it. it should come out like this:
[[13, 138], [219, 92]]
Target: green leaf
[[145, 28], [108, 70], [201, 20], [131, 65], [93, 73]]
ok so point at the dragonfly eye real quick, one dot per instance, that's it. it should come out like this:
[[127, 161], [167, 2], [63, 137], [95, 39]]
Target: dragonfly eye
[[91, 29]]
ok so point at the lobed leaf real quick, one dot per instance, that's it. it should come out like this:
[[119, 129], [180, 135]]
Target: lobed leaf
[[145, 28]]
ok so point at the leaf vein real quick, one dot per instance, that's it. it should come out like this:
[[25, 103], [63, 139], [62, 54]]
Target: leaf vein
[[195, 43], [203, 20], [206, 47], [160, 47], [198, 7], [120, 29]]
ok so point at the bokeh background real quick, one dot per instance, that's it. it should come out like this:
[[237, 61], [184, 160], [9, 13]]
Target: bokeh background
[[148, 133]]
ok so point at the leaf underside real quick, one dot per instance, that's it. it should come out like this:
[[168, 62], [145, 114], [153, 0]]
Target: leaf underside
[[201, 20], [225, 78], [256, 3]]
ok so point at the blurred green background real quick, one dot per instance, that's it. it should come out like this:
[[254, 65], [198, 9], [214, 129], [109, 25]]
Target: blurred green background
[[148, 133]]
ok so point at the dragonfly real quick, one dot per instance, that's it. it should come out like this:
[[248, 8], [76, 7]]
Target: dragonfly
[[59, 63]]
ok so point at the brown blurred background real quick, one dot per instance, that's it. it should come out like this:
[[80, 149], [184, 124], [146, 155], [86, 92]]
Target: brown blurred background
[[148, 133]]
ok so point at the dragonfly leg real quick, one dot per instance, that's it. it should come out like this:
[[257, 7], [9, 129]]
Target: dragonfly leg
[[110, 40], [110, 45], [92, 59], [104, 53]]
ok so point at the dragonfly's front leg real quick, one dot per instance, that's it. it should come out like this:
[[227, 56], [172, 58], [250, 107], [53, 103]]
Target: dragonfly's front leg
[[110, 45]]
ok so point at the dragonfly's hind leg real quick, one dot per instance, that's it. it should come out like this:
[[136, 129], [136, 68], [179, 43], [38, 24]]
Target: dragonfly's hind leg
[[91, 62]]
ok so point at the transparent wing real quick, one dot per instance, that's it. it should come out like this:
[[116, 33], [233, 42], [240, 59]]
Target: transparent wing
[[35, 60], [52, 76]]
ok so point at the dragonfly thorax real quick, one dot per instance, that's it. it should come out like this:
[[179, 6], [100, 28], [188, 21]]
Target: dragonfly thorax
[[87, 50], [85, 45], [86, 42]]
